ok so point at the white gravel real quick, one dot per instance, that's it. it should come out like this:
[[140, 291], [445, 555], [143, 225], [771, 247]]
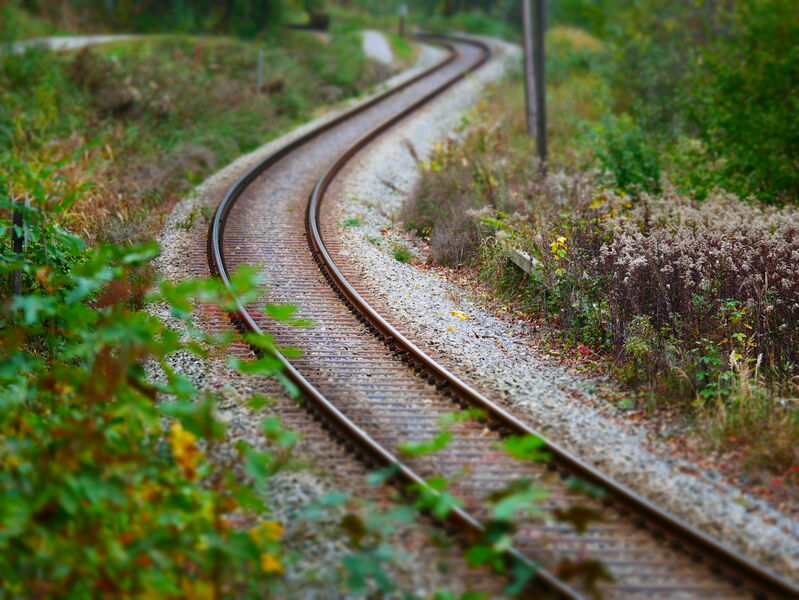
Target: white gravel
[[68, 42], [376, 46], [317, 573], [500, 356]]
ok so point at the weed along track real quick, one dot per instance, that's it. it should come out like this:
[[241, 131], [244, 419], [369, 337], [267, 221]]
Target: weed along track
[[375, 389]]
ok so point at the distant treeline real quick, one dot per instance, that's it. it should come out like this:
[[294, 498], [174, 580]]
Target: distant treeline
[[723, 72], [240, 17]]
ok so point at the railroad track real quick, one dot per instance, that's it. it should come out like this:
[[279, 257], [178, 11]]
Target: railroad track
[[375, 388]]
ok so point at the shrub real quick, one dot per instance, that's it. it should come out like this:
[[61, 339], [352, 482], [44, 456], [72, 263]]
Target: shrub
[[149, 118], [742, 97], [693, 299], [628, 155], [713, 71], [106, 475]]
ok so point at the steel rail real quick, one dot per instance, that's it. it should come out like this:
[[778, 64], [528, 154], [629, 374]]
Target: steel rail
[[353, 433], [763, 580]]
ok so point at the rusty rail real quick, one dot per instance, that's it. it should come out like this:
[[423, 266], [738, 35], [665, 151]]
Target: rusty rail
[[754, 577]]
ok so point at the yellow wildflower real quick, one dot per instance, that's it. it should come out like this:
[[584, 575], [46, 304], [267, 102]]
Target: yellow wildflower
[[267, 530], [184, 450], [559, 247], [197, 590], [270, 564]]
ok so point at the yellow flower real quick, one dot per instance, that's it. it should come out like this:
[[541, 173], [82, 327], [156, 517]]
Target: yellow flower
[[460, 314], [267, 530], [270, 564], [197, 590], [184, 450], [559, 247]]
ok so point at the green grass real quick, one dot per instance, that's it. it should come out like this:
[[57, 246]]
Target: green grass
[[18, 24], [401, 253], [150, 118], [405, 53]]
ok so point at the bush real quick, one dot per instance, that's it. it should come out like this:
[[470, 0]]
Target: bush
[[742, 97], [717, 72], [150, 118], [627, 154], [696, 301], [107, 482]]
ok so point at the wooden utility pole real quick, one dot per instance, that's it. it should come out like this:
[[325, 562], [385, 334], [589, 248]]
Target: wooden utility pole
[[535, 91], [402, 11]]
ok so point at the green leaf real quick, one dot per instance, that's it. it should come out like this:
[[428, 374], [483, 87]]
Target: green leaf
[[137, 255], [258, 464], [319, 507], [274, 430], [521, 575], [416, 449], [35, 308], [479, 555], [258, 402], [382, 476], [527, 447], [518, 496]]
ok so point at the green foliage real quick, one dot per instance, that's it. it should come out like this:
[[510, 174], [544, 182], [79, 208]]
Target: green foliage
[[420, 448], [107, 482], [343, 61], [744, 95], [628, 155], [474, 22], [18, 24], [712, 85], [152, 117], [245, 18], [401, 253], [404, 51], [525, 448]]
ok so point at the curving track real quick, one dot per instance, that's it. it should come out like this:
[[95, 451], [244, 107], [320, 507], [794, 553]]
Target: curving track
[[377, 389]]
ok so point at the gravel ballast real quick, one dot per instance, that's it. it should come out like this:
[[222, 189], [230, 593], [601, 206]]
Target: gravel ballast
[[498, 355], [422, 568]]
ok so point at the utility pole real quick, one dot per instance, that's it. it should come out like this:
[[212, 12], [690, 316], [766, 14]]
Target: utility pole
[[535, 92], [402, 11]]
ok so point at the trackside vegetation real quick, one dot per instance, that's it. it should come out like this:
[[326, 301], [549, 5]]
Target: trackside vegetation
[[116, 471], [666, 235], [145, 120], [118, 475]]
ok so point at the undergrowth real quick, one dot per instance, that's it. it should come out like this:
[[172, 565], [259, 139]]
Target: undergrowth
[[696, 303], [147, 120], [117, 474]]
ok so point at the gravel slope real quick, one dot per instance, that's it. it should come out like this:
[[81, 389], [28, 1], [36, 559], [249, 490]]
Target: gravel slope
[[500, 358]]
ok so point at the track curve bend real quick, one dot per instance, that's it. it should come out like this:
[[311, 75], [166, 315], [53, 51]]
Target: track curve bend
[[377, 389]]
